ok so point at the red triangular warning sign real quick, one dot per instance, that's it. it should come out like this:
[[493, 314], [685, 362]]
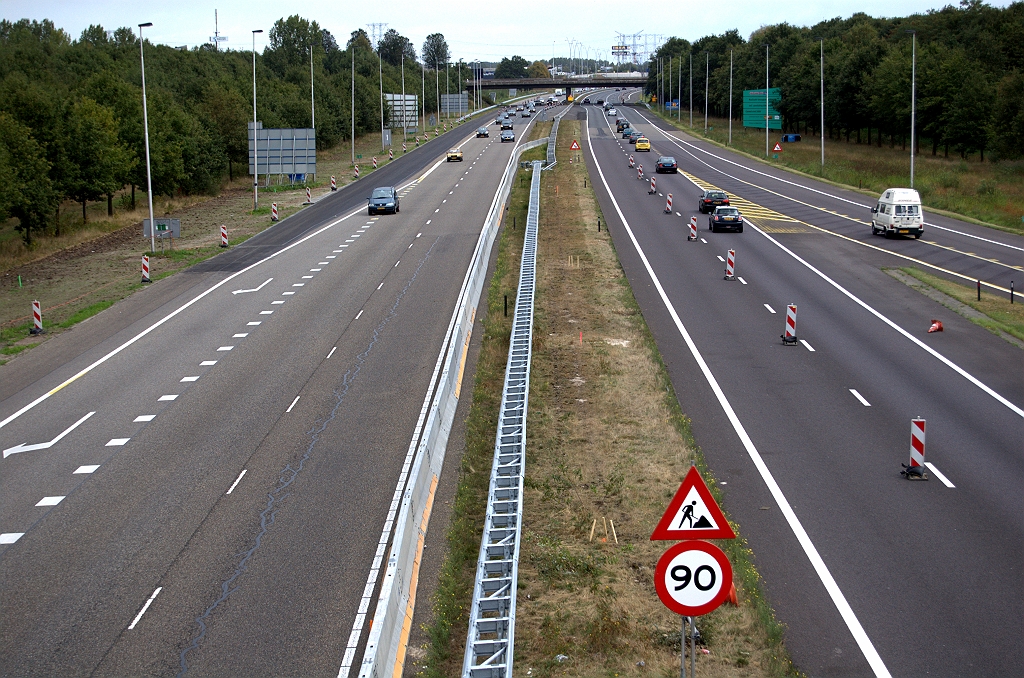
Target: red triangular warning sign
[[575, 146], [778, 147], [693, 514]]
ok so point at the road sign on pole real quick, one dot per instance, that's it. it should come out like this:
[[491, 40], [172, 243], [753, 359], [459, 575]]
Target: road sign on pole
[[575, 146], [693, 514], [778, 147], [693, 578]]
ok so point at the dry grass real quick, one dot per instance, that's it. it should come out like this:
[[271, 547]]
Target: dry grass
[[989, 192]]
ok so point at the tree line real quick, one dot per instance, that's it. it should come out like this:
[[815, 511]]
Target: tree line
[[71, 118], [969, 77]]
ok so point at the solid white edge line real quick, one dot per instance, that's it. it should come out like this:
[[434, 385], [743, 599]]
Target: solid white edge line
[[939, 475], [949, 363], [858, 396], [144, 608], [237, 480], [292, 405], [820, 568]]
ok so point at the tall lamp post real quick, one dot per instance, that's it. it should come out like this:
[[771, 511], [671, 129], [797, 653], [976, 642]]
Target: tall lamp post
[[691, 90], [255, 133], [707, 77], [145, 123], [766, 118], [913, 100], [312, 99], [730, 97], [821, 132]]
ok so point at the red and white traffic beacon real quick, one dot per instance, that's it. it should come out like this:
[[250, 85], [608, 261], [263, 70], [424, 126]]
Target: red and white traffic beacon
[[693, 577]]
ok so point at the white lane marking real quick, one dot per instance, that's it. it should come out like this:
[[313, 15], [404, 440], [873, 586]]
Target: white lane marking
[[293, 404], [144, 418], [254, 323], [209, 363], [87, 469], [428, 222], [240, 335], [820, 568], [437, 210], [939, 475], [704, 241], [265, 312], [225, 348], [332, 352], [167, 398], [943, 359], [323, 263], [255, 289], [338, 251], [444, 201], [188, 379], [380, 285], [169, 316], [305, 277], [144, 608], [678, 214], [358, 314], [315, 270], [858, 396], [299, 284], [347, 241], [409, 247], [807, 346], [419, 234], [721, 259], [117, 442], [10, 537], [397, 263], [287, 294], [25, 447], [450, 192], [280, 301], [237, 480], [331, 256], [50, 501], [741, 280]]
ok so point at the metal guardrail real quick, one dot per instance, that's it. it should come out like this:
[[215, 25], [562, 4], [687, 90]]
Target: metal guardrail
[[492, 616], [392, 617]]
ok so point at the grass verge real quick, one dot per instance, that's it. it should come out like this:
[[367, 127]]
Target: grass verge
[[608, 445]]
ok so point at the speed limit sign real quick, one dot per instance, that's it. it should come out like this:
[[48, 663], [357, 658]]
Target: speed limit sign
[[693, 578]]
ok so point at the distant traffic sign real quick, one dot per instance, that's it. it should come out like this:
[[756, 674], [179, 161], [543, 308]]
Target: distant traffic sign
[[693, 513], [778, 147], [693, 578], [575, 146]]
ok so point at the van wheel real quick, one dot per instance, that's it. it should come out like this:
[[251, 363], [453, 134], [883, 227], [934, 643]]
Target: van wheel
[[874, 231], [917, 236]]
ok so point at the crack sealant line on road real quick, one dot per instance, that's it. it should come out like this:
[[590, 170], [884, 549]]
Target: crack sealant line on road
[[860, 636]]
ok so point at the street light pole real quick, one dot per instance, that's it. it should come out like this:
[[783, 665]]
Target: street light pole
[[405, 122], [312, 99], [691, 90], [380, 77], [145, 122], [821, 131], [913, 100], [255, 132], [707, 77], [730, 97], [353, 103], [766, 100]]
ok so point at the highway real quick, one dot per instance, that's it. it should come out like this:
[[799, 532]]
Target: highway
[[872, 574], [196, 480]]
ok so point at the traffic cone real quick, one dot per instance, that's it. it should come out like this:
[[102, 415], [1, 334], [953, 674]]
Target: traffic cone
[[732, 597], [936, 326]]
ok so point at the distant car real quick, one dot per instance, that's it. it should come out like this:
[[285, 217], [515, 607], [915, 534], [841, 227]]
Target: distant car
[[626, 131], [525, 114], [725, 217], [621, 124], [600, 102], [643, 144], [634, 136], [454, 155], [506, 124], [497, 121], [384, 199], [710, 199], [667, 165], [612, 112], [519, 108], [507, 135], [482, 132]]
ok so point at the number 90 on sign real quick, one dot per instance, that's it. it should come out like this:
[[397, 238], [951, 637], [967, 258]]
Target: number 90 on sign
[[693, 578]]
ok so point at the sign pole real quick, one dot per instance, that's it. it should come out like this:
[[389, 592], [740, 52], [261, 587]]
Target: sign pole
[[682, 647], [693, 648]]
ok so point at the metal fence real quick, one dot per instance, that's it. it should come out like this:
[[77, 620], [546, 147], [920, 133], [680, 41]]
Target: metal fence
[[492, 614]]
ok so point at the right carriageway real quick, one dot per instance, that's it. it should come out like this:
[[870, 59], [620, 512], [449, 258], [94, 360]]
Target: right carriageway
[[872, 574]]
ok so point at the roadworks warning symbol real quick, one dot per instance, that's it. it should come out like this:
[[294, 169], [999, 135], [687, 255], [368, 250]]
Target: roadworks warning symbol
[[575, 146], [778, 147], [693, 514]]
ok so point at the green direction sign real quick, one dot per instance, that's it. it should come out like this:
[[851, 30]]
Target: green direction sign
[[754, 108]]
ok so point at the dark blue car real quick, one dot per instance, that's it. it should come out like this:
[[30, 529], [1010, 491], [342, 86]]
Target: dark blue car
[[384, 199]]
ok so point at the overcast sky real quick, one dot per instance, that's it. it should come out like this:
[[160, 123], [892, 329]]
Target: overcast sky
[[487, 30]]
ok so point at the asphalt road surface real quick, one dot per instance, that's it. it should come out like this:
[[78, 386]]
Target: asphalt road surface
[[195, 481], [871, 573]]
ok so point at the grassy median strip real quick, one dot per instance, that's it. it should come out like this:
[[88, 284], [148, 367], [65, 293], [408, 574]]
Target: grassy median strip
[[607, 446]]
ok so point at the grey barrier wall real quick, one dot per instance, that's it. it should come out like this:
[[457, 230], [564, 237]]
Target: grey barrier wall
[[490, 640], [392, 618]]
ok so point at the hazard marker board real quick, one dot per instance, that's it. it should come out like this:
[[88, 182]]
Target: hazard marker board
[[575, 146], [778, 147], [693, 514], [693, 578]]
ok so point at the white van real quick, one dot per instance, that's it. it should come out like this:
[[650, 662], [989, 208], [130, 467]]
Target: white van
[[898, 212]]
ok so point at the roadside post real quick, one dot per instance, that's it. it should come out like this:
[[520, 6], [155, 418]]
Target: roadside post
[[692, 577]]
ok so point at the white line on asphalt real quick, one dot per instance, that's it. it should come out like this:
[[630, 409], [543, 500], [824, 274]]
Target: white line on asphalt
[[939, 475], [323, 263], [166, 398], [315, 270], [210, 363], [305, 277], [278, 302], [116, 442], [87, 469], [331, 256], [10, 537], [50, 501], [410, 246], [336, 251], [251, 323], [858, 396], [428, 222], [418, 234], [678, 214], [721, 259], [332, 351], [25, 447], [741, 280], [225, 348], [807, 346], [437, 210], [704, 241], [188, 379], [380, 285], [240, 335], [265, 312], [144, 608], [293, 404], [358, 314], [820, 568], [299, 284], [287, 294], [143, 418], [255, 289], [397, 263], [237, 480]]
